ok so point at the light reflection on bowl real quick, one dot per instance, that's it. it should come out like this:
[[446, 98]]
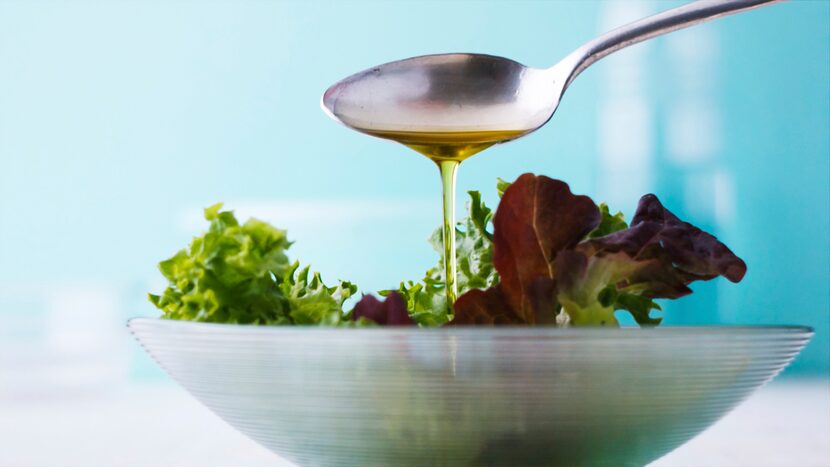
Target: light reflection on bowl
[[469, 396]]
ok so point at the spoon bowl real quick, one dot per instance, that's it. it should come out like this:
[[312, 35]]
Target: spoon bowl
[[445, 93], [482, 93]]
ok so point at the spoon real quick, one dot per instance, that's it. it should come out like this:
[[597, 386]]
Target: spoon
[[473, 92]]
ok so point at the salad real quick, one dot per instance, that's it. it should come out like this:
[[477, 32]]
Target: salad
[[545, 257]]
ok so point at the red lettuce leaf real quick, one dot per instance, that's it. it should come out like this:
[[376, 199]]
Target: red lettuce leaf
[[547, 265], [536, 218], [657, 234], [389, 312], [484, 307], [657, 257]]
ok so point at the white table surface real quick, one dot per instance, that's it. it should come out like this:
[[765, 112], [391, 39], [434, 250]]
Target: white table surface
[[786, 424]]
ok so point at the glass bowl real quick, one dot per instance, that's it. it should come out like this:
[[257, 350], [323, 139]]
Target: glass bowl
[[469, 396]]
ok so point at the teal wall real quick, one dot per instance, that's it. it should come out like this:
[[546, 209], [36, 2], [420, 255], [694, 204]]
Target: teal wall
[[119, 120]]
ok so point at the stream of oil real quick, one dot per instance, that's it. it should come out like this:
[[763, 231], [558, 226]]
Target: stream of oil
[[448, 150]]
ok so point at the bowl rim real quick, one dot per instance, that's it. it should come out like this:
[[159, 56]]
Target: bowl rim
[[531, 331]]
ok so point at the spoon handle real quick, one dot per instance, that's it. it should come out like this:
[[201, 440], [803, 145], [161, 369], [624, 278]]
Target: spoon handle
[[653, 26]]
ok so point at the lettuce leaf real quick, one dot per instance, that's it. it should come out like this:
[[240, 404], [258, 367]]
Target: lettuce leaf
[[389, 312], [657, 257], [536, 218], [563, 260], [240, 274], [656, 233], [426, 300], [502, 186], [609, 223], [310, 301]]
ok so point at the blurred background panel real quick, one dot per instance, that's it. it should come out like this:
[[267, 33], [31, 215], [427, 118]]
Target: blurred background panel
[[120, 121]]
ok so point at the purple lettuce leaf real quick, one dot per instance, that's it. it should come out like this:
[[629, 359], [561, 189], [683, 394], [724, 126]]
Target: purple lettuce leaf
[[389, 312], [553, 254], [658, 256]]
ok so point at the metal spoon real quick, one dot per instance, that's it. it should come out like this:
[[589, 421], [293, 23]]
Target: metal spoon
[[473, 92]]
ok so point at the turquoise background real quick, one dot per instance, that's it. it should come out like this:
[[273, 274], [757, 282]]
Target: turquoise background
[[120, 120]]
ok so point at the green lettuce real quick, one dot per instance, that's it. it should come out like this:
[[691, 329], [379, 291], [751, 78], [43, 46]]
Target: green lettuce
[[426, 300], [240, 273], [310, 301], [609, 223]]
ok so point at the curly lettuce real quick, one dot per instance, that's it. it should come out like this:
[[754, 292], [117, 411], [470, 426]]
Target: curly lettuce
[[240, 273], [426, 300]]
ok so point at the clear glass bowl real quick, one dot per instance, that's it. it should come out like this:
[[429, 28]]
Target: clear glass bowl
[[469, 396]]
